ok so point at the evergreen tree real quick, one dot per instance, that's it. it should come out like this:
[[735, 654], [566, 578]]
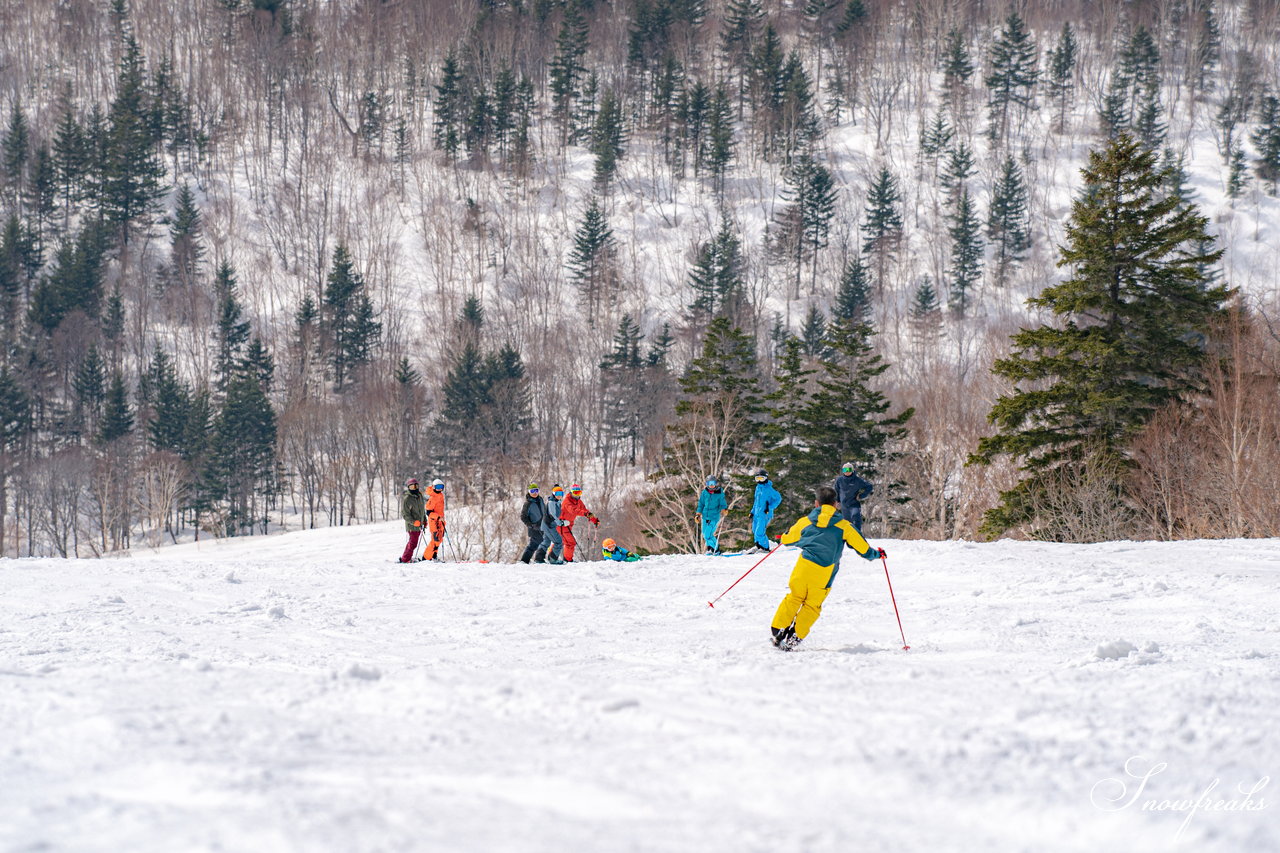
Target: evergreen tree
[[592, 260], [957, 68], [719, 139], [170, 401], [607, 140], [117, 419], [451, 105], [805, 223], [184, 237], [1008, 225], [936, 137], [717, 276], [240, 465], [1266, 137], [853, 294], [926, 313], [743, 20], [1062, 72], [882, 228], [73, 283], [41, 197], [258, 365], [1130, 335], [231, 332], [16, 149], [786, 426], [566, 70], [813, 332], [90, 386], [966, 254], [132, 172], [69, 153], [1013, 76], [957, 171], [347, 319]]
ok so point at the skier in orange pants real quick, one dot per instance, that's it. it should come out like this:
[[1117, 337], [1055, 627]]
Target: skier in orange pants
[[572, 508], [435, 520]]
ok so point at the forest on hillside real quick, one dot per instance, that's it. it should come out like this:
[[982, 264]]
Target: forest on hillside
[[260, 260]]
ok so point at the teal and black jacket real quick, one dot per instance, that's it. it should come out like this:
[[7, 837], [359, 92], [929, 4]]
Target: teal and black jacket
[[822, 535]]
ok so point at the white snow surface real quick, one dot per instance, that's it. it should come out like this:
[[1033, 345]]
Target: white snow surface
[[305, 692]]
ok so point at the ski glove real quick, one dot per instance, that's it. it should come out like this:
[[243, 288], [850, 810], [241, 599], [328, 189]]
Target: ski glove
[[417, 523], [594, 520], [882, 553]]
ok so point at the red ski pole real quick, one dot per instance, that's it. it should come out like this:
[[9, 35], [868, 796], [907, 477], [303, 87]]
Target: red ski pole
[[884, 559], [772, 551]]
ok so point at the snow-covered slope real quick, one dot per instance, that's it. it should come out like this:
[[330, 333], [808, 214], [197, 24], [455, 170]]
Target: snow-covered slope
[[303, 692]]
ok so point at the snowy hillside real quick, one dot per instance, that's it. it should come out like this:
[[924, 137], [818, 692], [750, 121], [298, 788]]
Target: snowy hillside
[[305, 693]]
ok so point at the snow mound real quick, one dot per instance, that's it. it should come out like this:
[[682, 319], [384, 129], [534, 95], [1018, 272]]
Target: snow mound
[[1115, 650], [364, 673]]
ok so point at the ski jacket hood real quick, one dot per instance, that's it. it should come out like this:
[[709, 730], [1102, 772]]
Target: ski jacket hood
[[822, 535]]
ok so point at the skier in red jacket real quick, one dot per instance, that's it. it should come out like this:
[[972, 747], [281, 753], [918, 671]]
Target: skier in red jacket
[[573, 508]]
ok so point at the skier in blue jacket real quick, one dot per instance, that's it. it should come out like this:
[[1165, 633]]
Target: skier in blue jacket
[[767, 500], [711, 504], [851, 491]]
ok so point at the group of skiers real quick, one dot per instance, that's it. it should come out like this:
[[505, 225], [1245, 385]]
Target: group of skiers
[[822, 534], [549, 522], [850, 489]]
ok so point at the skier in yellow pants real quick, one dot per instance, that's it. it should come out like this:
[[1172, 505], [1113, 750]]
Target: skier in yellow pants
[[822, 535]]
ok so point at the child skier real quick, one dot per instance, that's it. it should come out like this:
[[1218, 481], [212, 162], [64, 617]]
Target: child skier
[[411, 510], [435, 520], [767, 500], [572, 508], [711, 504], [851, 491], [822, 535], [552, 542], [532, 515], [613, 551]]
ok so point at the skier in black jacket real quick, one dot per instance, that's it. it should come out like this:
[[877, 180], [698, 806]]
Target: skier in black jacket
[[851, 491], [532, 515]]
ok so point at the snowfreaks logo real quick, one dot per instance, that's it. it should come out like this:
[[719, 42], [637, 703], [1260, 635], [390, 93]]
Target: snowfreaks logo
[[1113, 795]]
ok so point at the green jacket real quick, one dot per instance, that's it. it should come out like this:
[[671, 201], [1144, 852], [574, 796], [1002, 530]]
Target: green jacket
[[413, 508]]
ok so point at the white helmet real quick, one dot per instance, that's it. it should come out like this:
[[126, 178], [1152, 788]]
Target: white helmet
[[437, 483]]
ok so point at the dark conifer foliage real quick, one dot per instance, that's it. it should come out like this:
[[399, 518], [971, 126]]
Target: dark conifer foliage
[[1129, 336]]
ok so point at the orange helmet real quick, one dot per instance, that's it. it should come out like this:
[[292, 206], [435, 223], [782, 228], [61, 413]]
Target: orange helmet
[[608, 544]]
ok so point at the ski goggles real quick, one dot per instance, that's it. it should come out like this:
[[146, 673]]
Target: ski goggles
[[534, 490], [557, 493], [438, 488], [712, 483], [575, 492], [847, 469], [761, 478]]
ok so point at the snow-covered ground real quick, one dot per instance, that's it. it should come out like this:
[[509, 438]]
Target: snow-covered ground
[[302, 692]]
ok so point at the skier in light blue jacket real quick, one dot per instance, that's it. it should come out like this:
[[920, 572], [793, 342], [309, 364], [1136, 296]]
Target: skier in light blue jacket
[[711, 505], [767, 500]]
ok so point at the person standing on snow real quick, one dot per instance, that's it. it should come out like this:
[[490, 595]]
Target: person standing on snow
[[767, 500], [572, 508], [822, 535], [552, 542], [711, 504], [532, 515], [851, 491], [413, 511], [435, 520]]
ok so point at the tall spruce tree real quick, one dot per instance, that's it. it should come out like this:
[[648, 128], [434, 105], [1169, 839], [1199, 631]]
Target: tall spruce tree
[[1008, 225], [1014, 72], [592, 260], [1266, 137], [231, 331], [853, 294], [1129, 337], [966, 254], [805, 224], [608, 139], [882, 227], [184, 237], [567, 70], [132, 171], [1062, 73], [240, 465], [717, 277], [348, 320]]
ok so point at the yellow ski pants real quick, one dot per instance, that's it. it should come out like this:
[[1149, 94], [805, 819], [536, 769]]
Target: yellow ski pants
[[809, 585]]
